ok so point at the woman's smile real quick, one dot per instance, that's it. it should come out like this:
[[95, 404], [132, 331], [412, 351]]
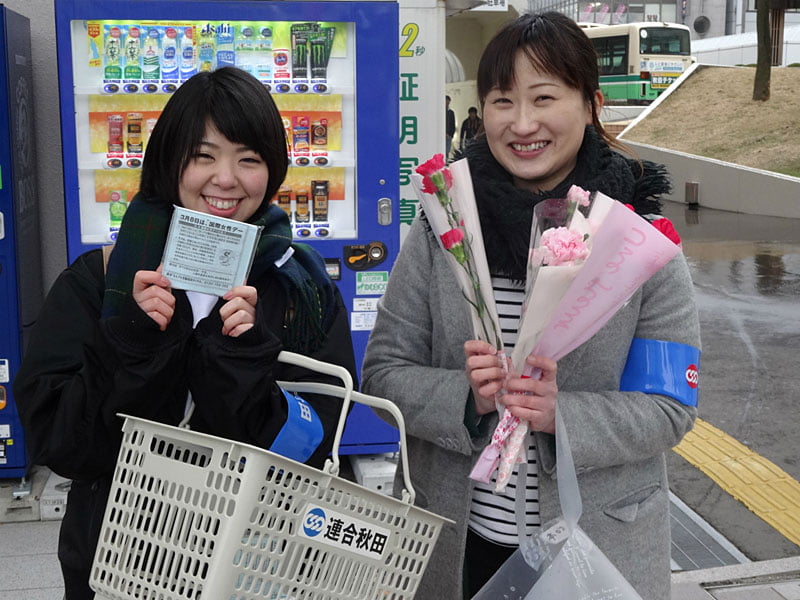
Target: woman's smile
[[224, 179], [529, 147], [536, 127]]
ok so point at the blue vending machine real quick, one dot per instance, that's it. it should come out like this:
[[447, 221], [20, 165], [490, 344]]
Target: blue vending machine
[[332, 67], [20, 257]]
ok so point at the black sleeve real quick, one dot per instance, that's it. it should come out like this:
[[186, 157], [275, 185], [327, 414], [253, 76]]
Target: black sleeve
[[233, 380], [75, 376]]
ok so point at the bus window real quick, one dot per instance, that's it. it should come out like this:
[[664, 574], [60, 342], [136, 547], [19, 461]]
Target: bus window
[[612, 55], [664, 40]]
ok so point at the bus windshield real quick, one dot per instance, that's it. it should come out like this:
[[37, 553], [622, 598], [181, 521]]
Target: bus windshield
[[664, 40]]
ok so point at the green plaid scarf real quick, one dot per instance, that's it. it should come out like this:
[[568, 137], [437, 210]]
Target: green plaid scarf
[[140, 245]]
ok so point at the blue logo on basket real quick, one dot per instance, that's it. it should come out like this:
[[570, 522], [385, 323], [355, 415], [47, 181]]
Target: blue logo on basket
[[314, 522]]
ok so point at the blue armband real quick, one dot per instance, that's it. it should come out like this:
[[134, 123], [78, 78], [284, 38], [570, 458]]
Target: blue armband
[[302, 432], [658, 367]]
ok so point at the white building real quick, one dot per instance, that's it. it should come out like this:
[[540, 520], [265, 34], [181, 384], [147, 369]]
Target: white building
[[741, 49]]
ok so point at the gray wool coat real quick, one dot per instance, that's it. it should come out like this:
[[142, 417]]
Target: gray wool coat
[[415, 358]]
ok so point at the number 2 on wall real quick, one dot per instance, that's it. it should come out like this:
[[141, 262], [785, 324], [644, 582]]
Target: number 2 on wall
[[410, 31]]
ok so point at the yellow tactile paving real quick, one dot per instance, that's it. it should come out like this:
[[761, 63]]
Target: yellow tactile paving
[[763, 487]]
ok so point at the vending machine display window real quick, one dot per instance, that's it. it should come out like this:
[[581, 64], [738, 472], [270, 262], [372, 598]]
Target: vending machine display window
[[124, 72]]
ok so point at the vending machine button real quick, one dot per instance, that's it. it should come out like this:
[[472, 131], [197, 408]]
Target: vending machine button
[[150, 88], [320, 88], [130, 88], [111, 88], [301, 88], [321, 161], [303, 233], [282, 88], [169, 88]]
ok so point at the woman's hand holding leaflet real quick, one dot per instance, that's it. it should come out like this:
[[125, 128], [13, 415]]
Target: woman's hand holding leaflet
[[238, 314], [151, 291]]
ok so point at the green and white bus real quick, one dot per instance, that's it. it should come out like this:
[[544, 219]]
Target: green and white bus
[[638, 61]]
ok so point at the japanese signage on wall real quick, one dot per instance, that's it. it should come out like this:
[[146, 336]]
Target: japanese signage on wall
[[422, 104]]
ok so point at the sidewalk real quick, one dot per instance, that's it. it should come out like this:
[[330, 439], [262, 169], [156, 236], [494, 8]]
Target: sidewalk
[[29, 567], [766, 580], [29, 571]]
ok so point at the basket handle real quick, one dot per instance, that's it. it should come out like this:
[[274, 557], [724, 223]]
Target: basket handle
[[347, 394], [408, 493], [312, 364]]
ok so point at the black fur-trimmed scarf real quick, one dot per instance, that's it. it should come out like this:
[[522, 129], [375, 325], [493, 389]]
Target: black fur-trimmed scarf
[[506, 211]]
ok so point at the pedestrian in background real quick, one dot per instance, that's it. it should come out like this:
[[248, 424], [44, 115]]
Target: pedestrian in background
[[449, 126], [470, 127]]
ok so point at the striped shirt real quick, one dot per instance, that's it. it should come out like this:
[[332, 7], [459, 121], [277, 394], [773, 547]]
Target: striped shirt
[[492, 515]]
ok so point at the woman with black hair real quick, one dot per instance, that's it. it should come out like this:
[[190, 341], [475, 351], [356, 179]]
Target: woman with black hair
[[119, 339], [540, 101]]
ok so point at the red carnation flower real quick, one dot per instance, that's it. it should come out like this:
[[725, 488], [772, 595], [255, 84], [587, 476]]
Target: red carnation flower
[[451, 238], [432, 165]]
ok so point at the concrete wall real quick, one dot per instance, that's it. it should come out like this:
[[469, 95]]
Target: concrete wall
[[725, 186], [468, 32], [48, 133], [721, 185], [713, 9], [789, 19], [464, 37]]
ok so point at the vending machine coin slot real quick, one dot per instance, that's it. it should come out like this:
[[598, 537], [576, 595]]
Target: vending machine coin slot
[[385, 211], [359, 257]]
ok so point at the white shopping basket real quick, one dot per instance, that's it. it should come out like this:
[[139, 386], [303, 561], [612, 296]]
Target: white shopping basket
[[192, 516]]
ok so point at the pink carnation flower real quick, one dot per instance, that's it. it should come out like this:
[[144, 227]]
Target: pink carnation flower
[[562, 246], [578, 195]]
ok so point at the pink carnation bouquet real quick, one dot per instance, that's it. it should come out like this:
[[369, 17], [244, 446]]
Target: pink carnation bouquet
[[561, 240], [589, 254]]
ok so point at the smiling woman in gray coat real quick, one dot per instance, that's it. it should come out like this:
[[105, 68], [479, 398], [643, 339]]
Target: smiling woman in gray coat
[[537, 84]]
